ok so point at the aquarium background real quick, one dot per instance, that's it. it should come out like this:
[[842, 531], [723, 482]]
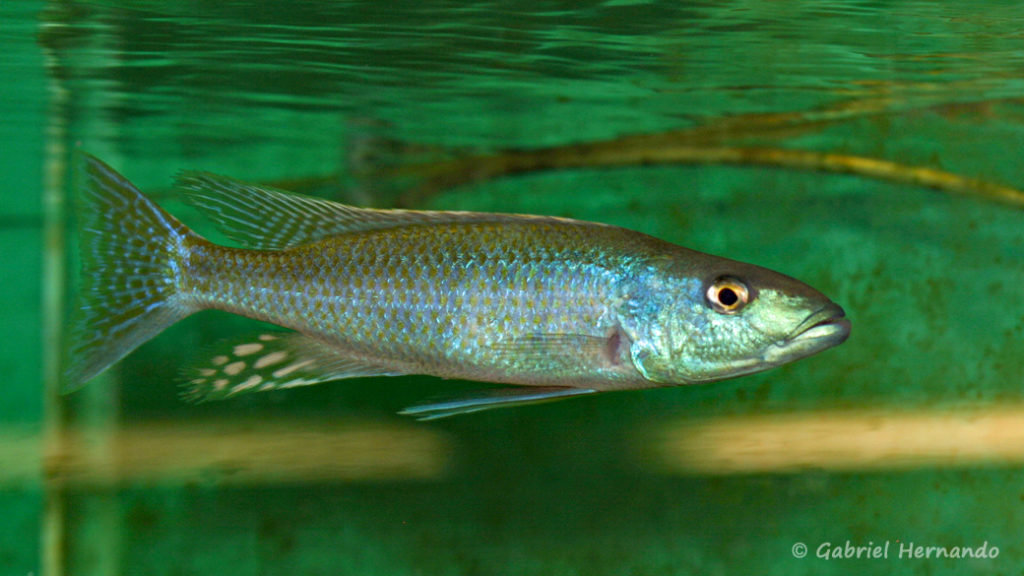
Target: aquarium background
[[909, 434]]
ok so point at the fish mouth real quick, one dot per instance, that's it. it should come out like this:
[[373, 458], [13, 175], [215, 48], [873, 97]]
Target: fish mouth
[[829, 323], [821, 330]]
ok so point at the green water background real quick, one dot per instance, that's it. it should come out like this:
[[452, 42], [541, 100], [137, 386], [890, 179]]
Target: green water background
[[264, 91]]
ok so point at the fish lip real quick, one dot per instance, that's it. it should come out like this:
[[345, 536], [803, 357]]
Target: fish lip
[[829, 332], [821, 330], [829, 321]]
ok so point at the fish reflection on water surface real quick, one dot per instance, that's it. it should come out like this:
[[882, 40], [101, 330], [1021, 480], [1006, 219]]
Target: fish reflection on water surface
[[561, 307]]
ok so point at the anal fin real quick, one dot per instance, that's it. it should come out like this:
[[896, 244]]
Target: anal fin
[[489, 399], [273, 361]]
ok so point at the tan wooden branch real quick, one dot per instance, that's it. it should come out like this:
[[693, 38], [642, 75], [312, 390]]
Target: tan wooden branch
[[461, 171]]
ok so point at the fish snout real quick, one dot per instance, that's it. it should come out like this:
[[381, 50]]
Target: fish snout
[[826, 327]]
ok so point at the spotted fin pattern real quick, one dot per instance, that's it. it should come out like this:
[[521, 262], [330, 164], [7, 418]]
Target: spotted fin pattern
[[272, 361], [131, 253]]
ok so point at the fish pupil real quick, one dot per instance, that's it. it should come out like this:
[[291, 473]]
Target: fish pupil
[[728, 297]]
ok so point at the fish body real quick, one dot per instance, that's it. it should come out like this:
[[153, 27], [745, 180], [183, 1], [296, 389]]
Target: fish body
[[562, 306]]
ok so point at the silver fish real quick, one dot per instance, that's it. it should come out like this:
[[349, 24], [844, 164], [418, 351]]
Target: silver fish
[[561, 307]]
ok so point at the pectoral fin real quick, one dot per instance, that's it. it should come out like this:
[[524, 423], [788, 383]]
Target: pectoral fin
[[564, 354], [273, 361], [489, 399]]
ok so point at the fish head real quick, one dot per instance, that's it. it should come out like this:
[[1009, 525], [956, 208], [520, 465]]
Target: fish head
[[723, 319]]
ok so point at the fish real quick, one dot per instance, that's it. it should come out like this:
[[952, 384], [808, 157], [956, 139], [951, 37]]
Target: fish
[[551, 307]]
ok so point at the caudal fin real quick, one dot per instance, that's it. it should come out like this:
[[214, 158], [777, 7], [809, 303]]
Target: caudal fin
[[131, 252]]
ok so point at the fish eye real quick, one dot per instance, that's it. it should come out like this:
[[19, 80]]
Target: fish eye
[[728, 295]]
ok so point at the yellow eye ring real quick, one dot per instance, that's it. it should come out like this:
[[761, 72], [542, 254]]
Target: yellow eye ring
[[728, 295]]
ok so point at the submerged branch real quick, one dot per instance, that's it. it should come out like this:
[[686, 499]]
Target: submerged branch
[[743, 140], [439, 176]]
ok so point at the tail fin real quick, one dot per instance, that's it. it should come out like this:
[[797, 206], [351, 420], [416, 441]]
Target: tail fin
[[130, 261]]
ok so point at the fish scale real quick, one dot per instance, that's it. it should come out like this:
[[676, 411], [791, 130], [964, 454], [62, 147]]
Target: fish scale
[[561, 306], [368, 292]]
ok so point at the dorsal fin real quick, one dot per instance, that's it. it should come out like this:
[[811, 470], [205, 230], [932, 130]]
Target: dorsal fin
[[271, 219]]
